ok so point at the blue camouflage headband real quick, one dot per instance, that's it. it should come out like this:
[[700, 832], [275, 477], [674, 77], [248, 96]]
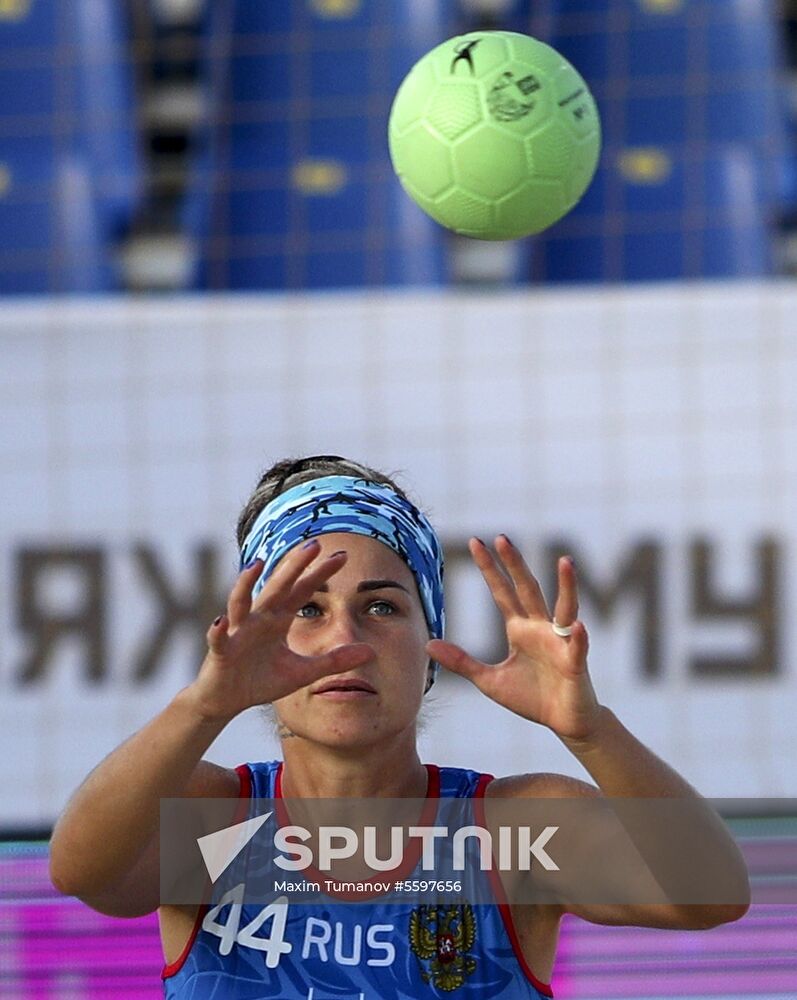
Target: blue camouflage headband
[[348, 504]]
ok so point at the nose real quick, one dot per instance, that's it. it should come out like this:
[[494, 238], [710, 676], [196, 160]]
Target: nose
[[343, 628]]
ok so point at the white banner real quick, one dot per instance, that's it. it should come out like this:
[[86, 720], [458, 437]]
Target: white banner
[[652, 433]]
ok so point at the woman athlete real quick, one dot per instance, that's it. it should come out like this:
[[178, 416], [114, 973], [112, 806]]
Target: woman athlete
[[336, 620]]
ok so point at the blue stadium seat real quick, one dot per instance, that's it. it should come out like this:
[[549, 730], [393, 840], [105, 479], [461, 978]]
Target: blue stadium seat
[[699, 86], [293, 187], [662, 214], [69, 169]]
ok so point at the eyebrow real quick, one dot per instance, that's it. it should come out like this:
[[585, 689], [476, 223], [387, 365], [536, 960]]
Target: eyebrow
[[369, 585]]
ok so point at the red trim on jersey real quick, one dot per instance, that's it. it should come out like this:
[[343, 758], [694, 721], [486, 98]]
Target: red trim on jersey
[[498, 889], [244, 789], [411, 857], [244, 794], [174, 967]]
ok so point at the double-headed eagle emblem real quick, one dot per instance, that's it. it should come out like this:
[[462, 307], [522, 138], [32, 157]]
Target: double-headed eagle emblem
[[440, 938]]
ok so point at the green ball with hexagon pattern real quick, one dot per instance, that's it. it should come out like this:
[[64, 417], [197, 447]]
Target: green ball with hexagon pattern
[[495, 135]]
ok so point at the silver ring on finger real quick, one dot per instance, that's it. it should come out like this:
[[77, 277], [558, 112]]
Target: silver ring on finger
[[563, 631]]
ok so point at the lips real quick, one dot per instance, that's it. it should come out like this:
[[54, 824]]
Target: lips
[[345, 685]]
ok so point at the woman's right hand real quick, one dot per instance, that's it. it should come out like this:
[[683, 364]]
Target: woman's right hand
[[249, 662]]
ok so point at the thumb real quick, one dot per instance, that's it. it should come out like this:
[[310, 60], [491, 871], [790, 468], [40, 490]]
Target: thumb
[[455, 659], [339, 660]]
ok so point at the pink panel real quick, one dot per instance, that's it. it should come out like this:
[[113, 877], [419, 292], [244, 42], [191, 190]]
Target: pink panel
[[52, 945]]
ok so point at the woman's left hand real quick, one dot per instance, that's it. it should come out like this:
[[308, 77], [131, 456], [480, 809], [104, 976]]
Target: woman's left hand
[[544, 678]]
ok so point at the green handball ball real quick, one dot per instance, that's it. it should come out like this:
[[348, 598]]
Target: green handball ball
[[495, 135]]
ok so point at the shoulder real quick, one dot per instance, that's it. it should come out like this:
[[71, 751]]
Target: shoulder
[[211, 781], [542, 785]]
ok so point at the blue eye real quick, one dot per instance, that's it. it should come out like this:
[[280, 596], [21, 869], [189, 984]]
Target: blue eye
[[380, 608], [382, 604]]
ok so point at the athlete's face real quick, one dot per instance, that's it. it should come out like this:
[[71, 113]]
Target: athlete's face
[[373, 599]]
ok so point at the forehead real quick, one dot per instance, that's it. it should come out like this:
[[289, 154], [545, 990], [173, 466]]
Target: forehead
[[367, 558]]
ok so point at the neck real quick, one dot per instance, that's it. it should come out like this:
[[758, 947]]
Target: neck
[[391, 770]]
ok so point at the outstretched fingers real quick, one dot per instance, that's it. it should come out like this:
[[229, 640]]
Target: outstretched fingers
[[579, 643], [296, 579], [340, 659], [300, 671], [528, 590], [566, 608], [455, 659], [312, 580], [239, 603], [501, 587], [288, 570], [279, 591], [217, 634]]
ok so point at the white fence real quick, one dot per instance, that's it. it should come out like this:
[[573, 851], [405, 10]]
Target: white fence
[[651, 432]]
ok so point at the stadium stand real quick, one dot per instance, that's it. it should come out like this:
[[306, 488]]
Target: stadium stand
[[294, 187], [699, 161], [69, 163]]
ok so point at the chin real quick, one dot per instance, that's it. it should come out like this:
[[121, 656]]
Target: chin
[[354, 734], [354, 737]]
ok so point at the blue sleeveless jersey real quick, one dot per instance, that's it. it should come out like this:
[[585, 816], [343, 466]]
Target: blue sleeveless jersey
[[368, 951]]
